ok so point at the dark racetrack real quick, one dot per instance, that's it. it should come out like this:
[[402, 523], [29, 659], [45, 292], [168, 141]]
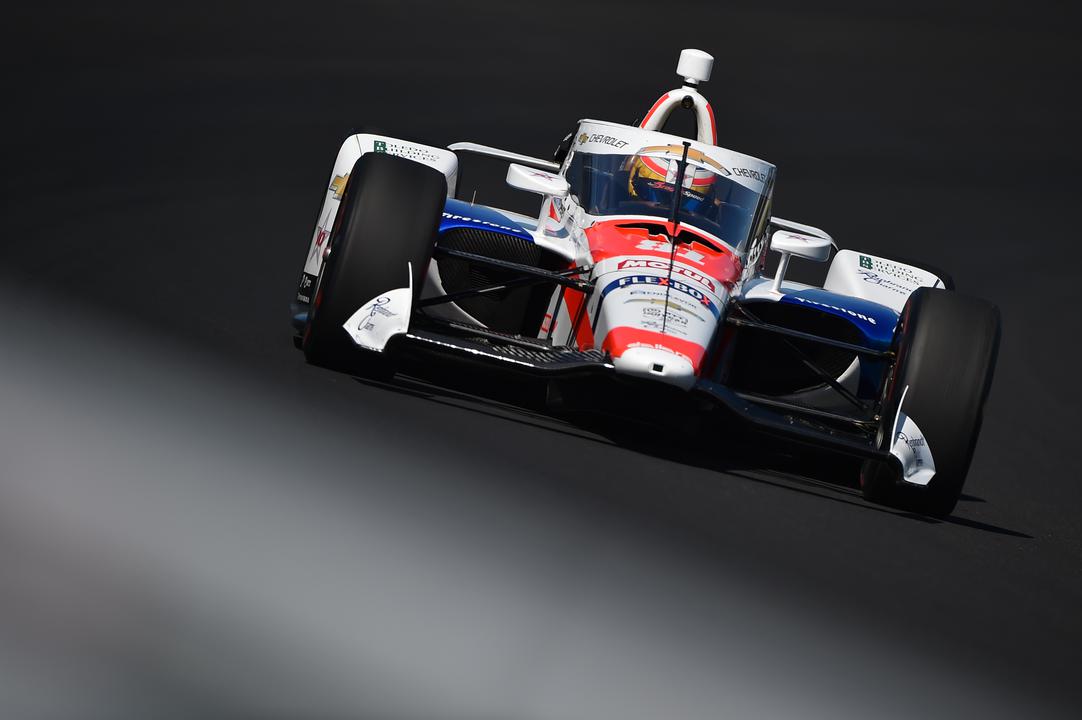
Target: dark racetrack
[[194, 523]]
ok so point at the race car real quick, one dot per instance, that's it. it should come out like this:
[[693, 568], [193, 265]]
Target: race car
[[640, 286]]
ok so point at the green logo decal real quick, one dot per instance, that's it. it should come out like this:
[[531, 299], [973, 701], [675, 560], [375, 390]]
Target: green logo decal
[[380, 146], [866, 262]]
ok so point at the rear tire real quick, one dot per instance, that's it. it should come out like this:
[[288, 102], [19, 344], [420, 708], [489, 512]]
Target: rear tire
[[946, 358], [387, 222]]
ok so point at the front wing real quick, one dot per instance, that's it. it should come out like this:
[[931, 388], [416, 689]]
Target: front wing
[[529, 356]]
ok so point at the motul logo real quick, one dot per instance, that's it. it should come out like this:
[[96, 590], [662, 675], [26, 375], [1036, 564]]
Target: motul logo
[[662, 265]]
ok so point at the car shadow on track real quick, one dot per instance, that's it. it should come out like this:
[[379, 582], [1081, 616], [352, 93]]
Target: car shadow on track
[[790, 467]]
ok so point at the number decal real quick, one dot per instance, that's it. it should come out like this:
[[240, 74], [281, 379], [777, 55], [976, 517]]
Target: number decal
[[684, 253], [692, 256], [654, 245]]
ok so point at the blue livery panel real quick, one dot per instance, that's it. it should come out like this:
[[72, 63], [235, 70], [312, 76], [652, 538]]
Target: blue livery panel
[[459, 214], [876, 322]]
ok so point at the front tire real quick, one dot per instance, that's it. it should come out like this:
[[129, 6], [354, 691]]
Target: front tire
[[946, 359], [387, 222]]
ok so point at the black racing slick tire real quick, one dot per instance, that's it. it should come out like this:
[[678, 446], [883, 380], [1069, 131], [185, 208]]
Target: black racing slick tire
[[947, 349], [388, 222]]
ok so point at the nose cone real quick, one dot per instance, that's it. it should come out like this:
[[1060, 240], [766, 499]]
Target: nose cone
[[656, 364]]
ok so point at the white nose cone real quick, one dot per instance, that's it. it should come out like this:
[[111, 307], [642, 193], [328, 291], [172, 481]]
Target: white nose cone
[[695, 66], [656, 364]]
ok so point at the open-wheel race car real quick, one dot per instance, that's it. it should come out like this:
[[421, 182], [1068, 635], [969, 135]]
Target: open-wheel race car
[[641, 282]]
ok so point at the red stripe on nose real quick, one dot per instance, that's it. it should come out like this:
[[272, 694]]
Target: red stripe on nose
[[621, 339]]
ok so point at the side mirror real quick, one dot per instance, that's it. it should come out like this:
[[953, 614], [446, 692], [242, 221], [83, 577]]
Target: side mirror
[[536, 181], [791, 243]]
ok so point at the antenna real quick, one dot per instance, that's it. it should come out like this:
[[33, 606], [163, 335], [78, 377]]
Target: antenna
[[678, 194], [694, 66]]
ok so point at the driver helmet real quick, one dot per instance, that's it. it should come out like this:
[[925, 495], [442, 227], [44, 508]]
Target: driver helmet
[[653, 179]]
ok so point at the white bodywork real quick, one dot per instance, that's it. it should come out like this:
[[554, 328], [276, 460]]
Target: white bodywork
[[911, 448], [887, 282], [383, 317]]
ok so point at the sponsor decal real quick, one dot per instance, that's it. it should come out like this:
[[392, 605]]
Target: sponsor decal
[[602, 139], [315, 254], [675, 304], [379, 307], [847, 311], [662, 265], [408, 151], [673, 316], [672, 321], [916, 441], [620, 339], [449, 216], [666, 327], [304, 291], [897, 271], [912, 449], [659, 346], [381, 317], [656, 296], [875, 279], [338, 185], [662, 283], [751, 174], [917, 446]]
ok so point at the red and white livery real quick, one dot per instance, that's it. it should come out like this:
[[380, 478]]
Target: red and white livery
[[644, 270]]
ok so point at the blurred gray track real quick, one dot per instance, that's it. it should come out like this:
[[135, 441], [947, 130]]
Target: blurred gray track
[[193, 523]]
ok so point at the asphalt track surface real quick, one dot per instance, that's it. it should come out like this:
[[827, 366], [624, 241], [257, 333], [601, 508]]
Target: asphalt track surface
[[194, 523]]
